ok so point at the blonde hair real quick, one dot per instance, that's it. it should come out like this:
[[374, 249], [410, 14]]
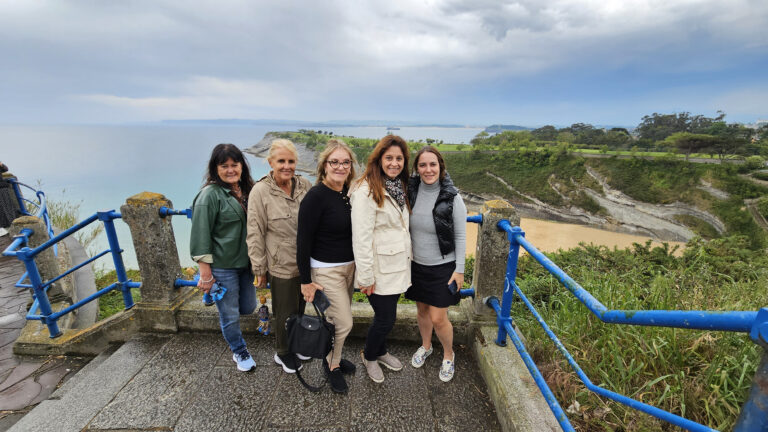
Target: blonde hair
[[282, 144], [331, 146]]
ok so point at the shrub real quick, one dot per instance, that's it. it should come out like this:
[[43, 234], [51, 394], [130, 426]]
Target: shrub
[[754, 162]]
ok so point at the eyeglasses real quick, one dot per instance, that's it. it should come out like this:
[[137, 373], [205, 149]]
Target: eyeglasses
[[335, 163]]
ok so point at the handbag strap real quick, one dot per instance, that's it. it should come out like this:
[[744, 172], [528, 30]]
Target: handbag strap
[[319, 312], [313, 389]]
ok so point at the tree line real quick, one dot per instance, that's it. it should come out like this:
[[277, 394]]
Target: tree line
[[681, 132]]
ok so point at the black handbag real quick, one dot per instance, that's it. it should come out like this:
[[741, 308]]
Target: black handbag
[[311, 336]]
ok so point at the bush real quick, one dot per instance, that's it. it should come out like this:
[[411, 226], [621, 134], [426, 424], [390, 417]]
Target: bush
[[754, 162]]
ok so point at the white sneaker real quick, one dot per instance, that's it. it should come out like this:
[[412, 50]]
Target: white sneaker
[[244, 361], [420, 356], [302, 357], [447, 369]]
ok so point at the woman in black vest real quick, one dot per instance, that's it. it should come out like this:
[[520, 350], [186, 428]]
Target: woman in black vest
[[438, 235]]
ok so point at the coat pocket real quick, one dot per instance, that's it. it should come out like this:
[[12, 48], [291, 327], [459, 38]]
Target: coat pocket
[[392, 257]]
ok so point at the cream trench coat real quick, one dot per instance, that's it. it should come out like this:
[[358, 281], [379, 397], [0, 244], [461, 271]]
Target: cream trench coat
[[381, 242], [273, 219]]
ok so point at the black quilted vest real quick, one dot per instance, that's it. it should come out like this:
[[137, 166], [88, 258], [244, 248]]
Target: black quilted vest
[[442, 213]]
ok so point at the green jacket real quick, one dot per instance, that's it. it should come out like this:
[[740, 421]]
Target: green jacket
[[218, 228]]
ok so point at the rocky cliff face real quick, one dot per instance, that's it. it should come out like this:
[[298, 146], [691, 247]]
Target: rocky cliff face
[[306, 164], [623, 214]]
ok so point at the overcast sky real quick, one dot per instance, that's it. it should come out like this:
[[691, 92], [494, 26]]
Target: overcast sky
[[478, 62]]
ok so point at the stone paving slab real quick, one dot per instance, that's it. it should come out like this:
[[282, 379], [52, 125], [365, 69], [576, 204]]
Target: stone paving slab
[[86, 399], [160, 391], [188, 382]]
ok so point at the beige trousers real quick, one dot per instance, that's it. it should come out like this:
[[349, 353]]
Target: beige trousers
[[338, 285]]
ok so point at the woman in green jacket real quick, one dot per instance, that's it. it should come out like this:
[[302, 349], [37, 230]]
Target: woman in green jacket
[[218, 246]]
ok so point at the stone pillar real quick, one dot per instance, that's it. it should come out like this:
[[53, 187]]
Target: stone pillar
[[45, 260], [155, 247], [491, 253]]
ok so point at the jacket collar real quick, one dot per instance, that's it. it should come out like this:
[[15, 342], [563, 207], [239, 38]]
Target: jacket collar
[[274, 189]]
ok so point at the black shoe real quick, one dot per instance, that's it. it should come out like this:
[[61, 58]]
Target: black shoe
[[347, 367], [336, 379], [289, 362]]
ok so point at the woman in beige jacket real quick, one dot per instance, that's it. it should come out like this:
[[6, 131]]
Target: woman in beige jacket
[[273, 211], [382, 245]]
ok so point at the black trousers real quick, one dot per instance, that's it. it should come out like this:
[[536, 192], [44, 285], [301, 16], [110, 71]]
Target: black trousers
[[385, 313]]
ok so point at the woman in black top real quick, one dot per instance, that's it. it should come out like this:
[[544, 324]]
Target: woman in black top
[[324, 250]]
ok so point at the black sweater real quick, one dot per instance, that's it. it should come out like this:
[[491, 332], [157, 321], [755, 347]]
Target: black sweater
[[325, 229]]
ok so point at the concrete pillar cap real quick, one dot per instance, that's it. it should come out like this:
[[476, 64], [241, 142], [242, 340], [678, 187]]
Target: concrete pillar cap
[[147, 199]]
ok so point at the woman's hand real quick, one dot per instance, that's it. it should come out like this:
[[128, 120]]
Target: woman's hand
[[458, 278], [368, 290], [206, 281], [260, 281], [308, 291]]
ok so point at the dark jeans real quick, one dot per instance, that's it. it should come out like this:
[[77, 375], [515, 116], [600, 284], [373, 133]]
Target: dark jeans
[[286, 301], [240, 299], [385, 313]]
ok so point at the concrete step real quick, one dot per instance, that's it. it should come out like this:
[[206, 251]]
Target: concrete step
[[82, 400]]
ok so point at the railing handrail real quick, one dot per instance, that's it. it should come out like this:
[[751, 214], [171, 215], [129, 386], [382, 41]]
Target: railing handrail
[[42, 205], [755, 323], [736, 321]]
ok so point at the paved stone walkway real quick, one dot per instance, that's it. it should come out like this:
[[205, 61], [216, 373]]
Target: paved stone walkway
[[23, 382], [188, 382]]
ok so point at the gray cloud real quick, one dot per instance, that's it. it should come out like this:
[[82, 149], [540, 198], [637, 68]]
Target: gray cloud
[[80, 60]]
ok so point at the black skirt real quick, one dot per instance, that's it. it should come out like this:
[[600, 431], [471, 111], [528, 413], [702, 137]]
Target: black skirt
[[429, 284]]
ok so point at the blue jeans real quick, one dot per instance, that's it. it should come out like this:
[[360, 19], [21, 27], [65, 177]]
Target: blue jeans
[[240, 299]]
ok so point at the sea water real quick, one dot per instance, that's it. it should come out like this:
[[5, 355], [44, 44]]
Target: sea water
[[98, 167]]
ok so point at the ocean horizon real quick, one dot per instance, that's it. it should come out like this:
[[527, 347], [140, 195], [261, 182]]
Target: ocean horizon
[[100, 166]]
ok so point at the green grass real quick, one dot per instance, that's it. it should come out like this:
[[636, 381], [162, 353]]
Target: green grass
[[762, 207], [112, 302], [701, 375]]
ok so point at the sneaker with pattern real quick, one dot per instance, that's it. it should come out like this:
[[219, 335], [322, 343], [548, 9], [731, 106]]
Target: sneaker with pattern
[[420, 356], [447, 369]]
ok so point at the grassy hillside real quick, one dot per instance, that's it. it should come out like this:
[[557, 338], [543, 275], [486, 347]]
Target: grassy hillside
[[703, 376], [661, 181]]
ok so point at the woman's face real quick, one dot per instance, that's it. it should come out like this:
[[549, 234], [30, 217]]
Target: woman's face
[[392, 161], [428, 168], [229, 172], [343, 162], [283, 164]]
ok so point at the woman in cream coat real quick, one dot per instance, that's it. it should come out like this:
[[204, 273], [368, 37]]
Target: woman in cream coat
[[382, 245]]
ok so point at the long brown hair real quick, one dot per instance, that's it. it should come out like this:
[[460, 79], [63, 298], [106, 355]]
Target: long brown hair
[[374, 174]]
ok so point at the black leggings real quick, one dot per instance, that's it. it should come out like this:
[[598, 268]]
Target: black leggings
[[385, 313]]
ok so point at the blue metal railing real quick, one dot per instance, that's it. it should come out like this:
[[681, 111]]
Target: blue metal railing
[[20, 250], [42, 211], [753, 417]]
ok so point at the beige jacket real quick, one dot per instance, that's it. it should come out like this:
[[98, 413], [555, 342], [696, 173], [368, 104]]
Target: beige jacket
[[381, 242], [272, 223]]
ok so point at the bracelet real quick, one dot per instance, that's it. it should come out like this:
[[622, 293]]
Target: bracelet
[[209, 280]]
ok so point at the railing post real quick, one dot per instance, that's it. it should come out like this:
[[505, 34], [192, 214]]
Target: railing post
[[45, 261], [107, 217], [491, 253], [155, 246], [37, 287], [754, 413], [509, 292]]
